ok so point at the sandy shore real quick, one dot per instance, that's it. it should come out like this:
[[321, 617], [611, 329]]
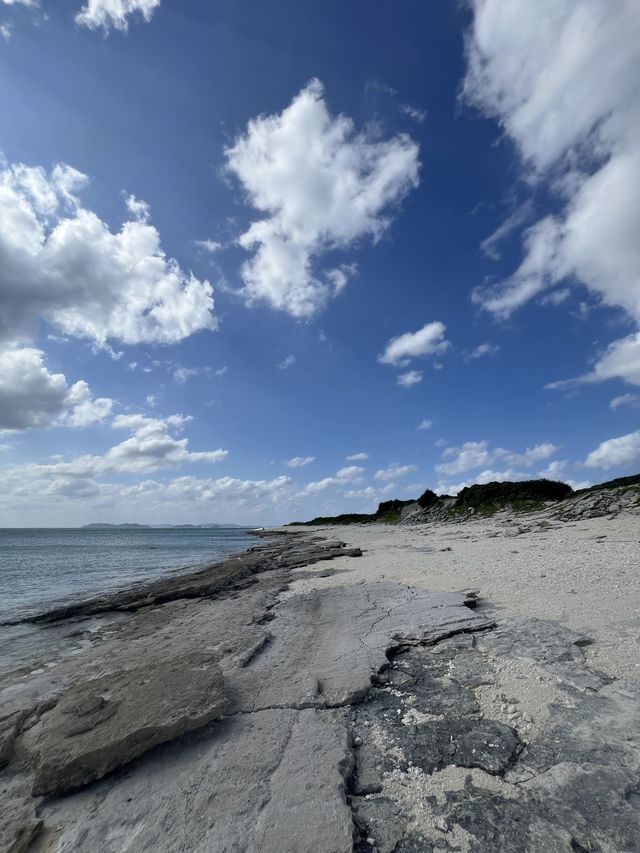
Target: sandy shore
[[469, 687], [583, 574]]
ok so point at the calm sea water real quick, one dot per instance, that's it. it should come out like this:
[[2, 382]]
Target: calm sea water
[[43, 568]]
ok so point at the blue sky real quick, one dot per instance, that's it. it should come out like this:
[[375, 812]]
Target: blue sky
[[242, 242]]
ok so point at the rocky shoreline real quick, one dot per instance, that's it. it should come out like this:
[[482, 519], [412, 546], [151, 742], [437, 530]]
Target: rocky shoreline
[[274, 702]]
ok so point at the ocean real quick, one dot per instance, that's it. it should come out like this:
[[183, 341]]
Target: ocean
[[40, 569]]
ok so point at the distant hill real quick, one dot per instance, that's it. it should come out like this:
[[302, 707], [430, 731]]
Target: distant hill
[[101, 525], [104, 526]]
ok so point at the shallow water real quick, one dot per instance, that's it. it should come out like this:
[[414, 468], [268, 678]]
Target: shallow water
[[43, 568]]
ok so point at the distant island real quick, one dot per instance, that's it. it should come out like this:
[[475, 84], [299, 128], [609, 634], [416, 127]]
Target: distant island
[[102, 525]]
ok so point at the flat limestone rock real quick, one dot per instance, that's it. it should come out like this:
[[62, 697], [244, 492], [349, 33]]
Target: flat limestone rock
[[107, 722], [19, 824], [272, 781], [327, 644]]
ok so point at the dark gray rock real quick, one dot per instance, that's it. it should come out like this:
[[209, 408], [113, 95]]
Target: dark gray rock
[[381, 821], [486, 744]]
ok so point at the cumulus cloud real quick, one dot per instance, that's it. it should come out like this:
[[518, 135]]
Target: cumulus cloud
[[300, 461], [537, 68], [425, 423], [357, 457], [61, 263], [429, 340], [224, 498], [114, 14], [622, 450], [319, 185], [32, 396], [411, 377], [554, 470], [350, 474], [394, 471], [150, 446], [476, 454]]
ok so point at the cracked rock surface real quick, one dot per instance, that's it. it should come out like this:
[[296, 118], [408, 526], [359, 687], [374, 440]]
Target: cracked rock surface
[[569, 783], [237, 709]]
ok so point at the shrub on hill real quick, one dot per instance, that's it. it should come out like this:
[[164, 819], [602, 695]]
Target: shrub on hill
[[390, 506], [427, 499], [492, 494]]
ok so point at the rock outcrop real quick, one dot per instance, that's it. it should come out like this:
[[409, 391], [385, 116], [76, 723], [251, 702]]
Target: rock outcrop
[[105, 723]]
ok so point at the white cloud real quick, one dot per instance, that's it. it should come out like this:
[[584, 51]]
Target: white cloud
[[371, 493], [287, 362], [31, 396], [537, 67], [350, 474], [320, 186], [300, 461], [61, 263], [357, 457], [425, 424], [615, 451], [484, 349], [414, 113], [114, 14], [84, 409], [185, 498], [6, 30], [394, 471], [554, 470], [475, 454], [210, 246], [149, 448], [515, 219], [625, 400], [411, 377], [621, 360], [429, 340], [182, 374]]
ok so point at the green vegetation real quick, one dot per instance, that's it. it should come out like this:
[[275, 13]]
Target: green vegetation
[[481, 499], [489, 497], [428, 498], [387, 513], [632, 481]]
